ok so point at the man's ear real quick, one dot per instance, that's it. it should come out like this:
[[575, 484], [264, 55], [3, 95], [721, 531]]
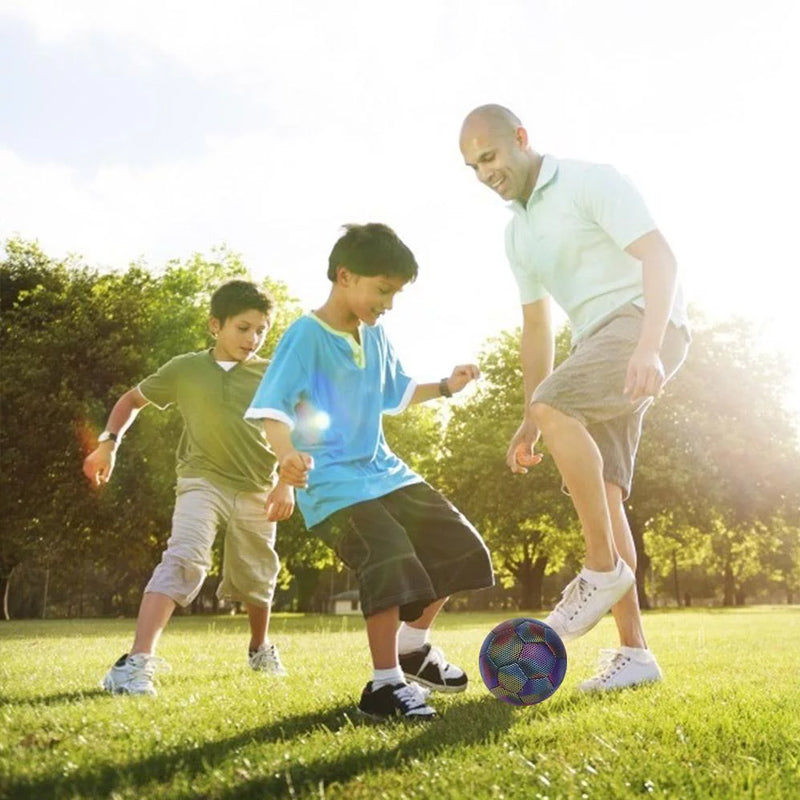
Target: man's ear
[[521, 137], [214, 326]]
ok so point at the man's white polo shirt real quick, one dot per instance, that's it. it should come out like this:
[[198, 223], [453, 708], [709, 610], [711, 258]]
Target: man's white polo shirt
[[569, 241]]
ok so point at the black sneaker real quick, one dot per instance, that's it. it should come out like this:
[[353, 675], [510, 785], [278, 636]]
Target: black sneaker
[[429, 667], [395, 700]]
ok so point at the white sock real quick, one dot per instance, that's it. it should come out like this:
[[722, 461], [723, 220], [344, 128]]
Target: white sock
[[601, 578], [637, 653], [381, 677], [410, 639]]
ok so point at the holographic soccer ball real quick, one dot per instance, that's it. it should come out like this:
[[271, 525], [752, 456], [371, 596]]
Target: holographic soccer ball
[[523, 661]]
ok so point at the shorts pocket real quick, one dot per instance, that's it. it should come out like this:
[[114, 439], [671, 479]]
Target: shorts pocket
[[352, 548], [341, 535]]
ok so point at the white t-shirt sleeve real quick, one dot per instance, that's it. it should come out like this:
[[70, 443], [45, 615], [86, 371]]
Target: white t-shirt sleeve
[[398, 387]]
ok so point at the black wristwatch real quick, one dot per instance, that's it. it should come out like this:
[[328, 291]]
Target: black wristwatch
[[107, 436], [444, 389]]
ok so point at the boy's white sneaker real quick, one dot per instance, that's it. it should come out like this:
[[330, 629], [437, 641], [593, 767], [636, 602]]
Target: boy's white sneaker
[[134, 674], [266, 660], [625, 666], [585, 601]]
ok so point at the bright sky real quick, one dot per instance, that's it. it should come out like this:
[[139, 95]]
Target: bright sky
[[156, 129]]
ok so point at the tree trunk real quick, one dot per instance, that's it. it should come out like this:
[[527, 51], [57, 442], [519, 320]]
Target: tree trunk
[[5, 585], [728, 586], [675, 579], [46, 588], [642, 566], [530, 578], [307, 580]]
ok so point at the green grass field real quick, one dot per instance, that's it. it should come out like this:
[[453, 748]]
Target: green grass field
[[725, 723]]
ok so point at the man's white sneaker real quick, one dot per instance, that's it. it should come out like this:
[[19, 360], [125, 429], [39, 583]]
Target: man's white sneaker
[[626, 666], [266, 660], [134, 674], [585, 601]]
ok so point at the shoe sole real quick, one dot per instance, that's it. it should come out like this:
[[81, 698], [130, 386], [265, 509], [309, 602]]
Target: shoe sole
[[112, 688], [601, 689], [400, 717], [269, 674], [435, 687], [569, 636]]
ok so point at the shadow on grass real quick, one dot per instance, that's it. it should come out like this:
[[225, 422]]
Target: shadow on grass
[[52, 699], [470, 722]]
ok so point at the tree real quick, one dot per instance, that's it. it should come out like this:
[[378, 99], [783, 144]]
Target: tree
[[527, 521], [718, 467], [74, 340]]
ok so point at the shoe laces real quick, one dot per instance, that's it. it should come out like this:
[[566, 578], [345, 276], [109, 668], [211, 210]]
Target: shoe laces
[[609, 662], [573, 596], [143, 667], [436, 657], [412, 695], [266, 656]]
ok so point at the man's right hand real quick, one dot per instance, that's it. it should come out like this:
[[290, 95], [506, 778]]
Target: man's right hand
[[99, 464], [520, 455], [294, 468]]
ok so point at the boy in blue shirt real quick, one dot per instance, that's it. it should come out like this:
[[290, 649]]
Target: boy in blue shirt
[[333, 376]]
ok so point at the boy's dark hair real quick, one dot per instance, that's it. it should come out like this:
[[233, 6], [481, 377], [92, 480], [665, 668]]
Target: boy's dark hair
[[372, 249], [236, 296]]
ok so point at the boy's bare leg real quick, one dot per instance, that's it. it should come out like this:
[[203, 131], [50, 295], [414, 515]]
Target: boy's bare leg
[[626, 612], [382, 637], [425, 620], [258, 618], [155, 611], [581, 467]]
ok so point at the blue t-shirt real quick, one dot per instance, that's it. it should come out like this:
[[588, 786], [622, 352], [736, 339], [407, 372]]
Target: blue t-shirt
[[332, 392]]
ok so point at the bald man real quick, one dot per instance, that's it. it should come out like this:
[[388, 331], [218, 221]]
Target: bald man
[[581, 235]]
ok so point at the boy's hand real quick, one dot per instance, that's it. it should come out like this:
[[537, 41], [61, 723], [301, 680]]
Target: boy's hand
[[520, 453], [461, 376], [294, 467], [280, 502], [99, 464]]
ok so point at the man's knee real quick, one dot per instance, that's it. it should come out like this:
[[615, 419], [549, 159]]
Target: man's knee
[[545, 416]]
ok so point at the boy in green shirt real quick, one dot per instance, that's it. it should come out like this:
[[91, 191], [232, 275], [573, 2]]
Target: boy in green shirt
[[226, 476]]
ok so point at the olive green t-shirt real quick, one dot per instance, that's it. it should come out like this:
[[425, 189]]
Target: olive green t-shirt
[[217, 443]]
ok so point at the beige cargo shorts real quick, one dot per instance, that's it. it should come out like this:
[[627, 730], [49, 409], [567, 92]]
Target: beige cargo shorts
[[250, 564], [588, 386]]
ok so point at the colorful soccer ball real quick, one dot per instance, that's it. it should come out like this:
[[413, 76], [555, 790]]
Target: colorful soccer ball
[[523, 661]]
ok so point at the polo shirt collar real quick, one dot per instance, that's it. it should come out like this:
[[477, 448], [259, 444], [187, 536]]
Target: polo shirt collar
[[356, 347], [547, 172]]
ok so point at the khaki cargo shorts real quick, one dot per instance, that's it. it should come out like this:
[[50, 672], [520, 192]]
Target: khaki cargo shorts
[[588, 386], [250, 564]]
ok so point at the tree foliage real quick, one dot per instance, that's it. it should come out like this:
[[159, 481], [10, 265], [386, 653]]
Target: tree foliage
[[715, 507], [74, 339]]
